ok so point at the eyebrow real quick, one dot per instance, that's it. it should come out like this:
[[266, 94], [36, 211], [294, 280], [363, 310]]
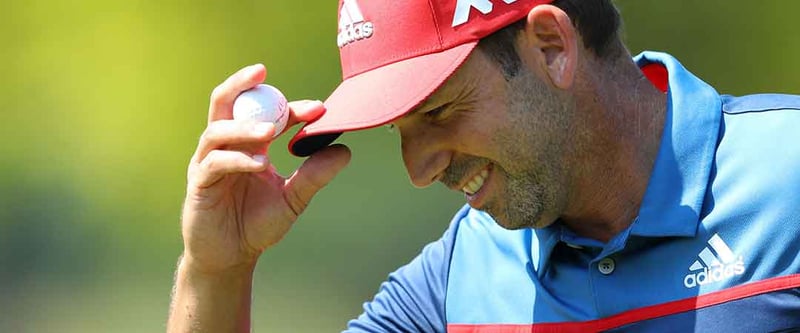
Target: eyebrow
[[434, 101], [419, 108]]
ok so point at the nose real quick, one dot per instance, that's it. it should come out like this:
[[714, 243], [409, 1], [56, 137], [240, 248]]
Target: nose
[[424, 156]]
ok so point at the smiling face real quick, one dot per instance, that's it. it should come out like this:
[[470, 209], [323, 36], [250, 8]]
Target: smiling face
[[505, 144]]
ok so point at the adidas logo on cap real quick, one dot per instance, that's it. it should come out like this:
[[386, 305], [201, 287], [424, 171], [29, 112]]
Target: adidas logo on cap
[[352, 26], [712, 268], [408, 48]]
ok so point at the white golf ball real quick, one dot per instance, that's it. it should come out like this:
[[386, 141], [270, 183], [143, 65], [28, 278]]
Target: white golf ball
[[263, 103]]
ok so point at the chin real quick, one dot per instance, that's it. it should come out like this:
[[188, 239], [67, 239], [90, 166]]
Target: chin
[[521, 219], [505, 221], [511, 226]]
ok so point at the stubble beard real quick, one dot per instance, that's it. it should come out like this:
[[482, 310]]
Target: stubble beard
[[534, 144], [522, 205]]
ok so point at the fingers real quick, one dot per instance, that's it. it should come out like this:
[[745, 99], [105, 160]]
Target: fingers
[[226, 133], [220, 163], [221, 105], [316, 172], [304, 111], [222, 97]]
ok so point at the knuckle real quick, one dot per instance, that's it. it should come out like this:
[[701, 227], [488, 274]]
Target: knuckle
[[192, 169], [295, 202], [193, 160], [217, 94], [209, 131], [203, 144], [209, 135], [212, 161]]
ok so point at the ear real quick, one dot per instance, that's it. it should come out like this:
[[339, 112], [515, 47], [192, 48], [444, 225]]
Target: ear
[[553, 40]]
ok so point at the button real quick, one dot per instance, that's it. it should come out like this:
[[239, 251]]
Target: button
[[606, 266]]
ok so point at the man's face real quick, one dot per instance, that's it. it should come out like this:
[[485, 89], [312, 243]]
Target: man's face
[[504, 144]]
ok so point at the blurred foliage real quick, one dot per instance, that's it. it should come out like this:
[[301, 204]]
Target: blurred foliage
[[102, 103]]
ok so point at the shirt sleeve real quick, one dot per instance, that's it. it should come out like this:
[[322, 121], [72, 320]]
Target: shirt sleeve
[[412, 298]]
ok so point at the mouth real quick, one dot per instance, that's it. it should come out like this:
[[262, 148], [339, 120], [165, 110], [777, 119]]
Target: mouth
[[475, 190], [475, 184]]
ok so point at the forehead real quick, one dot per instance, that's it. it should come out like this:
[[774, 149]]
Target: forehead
[[465, 78]]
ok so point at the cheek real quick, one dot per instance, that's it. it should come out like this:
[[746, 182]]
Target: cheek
[[478, 130], [477, 136]]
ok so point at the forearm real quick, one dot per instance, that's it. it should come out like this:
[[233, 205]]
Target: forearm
[[206, 302]]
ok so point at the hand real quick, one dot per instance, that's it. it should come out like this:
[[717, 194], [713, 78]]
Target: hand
[[236, 204]]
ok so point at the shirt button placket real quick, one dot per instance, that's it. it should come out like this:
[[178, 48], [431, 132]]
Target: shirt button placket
[[606, 266]]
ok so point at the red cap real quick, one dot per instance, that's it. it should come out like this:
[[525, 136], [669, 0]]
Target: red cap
[[395, 54]]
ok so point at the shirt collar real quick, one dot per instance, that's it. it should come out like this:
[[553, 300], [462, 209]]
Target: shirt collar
[[674, 197], [675, 192]]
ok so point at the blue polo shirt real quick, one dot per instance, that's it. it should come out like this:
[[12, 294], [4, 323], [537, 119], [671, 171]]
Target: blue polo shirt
[[715, 246]]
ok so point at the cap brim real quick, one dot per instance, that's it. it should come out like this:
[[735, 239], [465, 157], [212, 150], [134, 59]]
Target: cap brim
[[379, 96]]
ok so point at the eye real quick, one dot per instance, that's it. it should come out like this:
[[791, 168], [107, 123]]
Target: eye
[[437, 112]]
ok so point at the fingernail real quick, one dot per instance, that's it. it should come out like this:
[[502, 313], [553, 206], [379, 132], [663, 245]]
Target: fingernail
[[309, 101], [260, 158], [263, 127], [252, 69], [315, 104]]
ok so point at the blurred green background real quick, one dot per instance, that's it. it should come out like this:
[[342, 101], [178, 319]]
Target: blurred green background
[[102, 103]]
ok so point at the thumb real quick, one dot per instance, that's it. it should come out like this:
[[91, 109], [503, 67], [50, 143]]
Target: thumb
[[316, 172]]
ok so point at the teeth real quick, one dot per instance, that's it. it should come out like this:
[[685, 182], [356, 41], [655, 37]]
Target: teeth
[[476, 183]]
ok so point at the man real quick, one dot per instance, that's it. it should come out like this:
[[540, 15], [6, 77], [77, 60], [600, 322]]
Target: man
[[603, 193]]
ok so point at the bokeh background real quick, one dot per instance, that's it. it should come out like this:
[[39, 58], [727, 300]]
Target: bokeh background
[[101, 104]]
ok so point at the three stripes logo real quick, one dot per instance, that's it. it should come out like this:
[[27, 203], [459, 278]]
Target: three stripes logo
[[716, 266], [352, 26]]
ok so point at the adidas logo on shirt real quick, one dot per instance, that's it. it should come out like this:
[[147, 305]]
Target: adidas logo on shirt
[[711, 267], [352, 26]]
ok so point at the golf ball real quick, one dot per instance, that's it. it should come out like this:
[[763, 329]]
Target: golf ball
[[263, 103]]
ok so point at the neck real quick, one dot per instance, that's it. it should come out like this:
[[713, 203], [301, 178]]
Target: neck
[[624, 117]]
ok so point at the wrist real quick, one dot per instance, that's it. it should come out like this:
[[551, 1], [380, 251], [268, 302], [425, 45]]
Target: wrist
[[214, 300], [192, 267]]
